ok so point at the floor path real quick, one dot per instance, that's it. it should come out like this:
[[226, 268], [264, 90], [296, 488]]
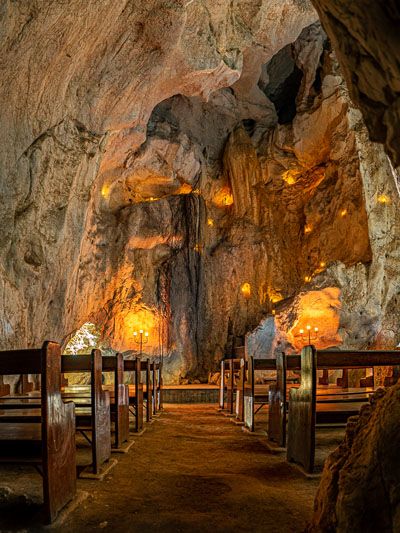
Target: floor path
[[194, 470]]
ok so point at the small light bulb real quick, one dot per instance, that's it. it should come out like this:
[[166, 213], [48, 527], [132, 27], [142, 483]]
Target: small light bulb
[[146, 334], [301, 331], [134, 333], [308, 327], [316, 330], [141, 331]]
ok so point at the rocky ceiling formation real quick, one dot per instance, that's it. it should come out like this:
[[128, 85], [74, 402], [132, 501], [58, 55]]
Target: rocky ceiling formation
[[158, 159], [365, 36]]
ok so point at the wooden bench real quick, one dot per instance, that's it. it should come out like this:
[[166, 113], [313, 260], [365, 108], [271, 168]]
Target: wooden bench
[[255, 397], [306, 408], [157, 386], [45, 438], [119, 397], [228, 385], [136, 392]]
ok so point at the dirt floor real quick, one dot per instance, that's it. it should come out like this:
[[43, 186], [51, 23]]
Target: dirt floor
[[192, 470]]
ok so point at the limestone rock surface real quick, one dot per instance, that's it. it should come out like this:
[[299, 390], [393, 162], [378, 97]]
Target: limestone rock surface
[[365, 35], [360, 484]]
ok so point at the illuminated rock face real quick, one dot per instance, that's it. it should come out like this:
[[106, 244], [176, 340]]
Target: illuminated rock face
[[169, 154]]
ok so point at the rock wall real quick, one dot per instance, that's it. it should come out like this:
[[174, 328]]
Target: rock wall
[[188, 168], [365, 36], [359, 489]]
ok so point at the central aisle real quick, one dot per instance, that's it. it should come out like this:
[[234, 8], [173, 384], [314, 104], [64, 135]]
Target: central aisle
[[194, 470]]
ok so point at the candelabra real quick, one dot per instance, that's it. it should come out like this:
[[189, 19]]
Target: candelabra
[[141, 338], [307, 335]]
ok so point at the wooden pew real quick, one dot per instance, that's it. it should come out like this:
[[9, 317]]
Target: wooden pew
[[136, 393], [4, 388], [46, 439], [157, 387], [229, 367], [277, 395], [255, 396], [306, 409], [148, 394], [92, 412], [120, 399]]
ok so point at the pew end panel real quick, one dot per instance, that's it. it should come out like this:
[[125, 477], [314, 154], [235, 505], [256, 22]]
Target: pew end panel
[[277, 404], [302, 416], [58, 436]]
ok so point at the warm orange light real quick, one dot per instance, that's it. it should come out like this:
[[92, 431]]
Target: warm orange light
[[322, 264], [185, 188], [105, 191], [343, 212], [308, 228], [318, 315], [210, 222], [223, 197], [383, 199], [307, 279], [246, 290], [290, 176], [198, 248]]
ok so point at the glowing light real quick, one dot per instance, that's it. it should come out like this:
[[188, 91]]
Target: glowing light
[[185, 188], [274, 295], [273, 312], [290, 176], [383, 199], [146, 334], [343, 212], [223, 197], [307, 279], [322, 264], [301, 331], [210, 222], [198, 248], [134, 333], [308, 228], [141, 331], [246, 290], [105, 191]]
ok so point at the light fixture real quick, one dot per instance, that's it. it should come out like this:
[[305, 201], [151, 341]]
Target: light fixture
[[308, 335]]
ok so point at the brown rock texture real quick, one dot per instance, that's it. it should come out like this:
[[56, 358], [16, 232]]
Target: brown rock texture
[[360, 484], [365, 36]]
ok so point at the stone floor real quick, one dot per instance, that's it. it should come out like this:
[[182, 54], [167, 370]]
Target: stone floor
[[193, 470]]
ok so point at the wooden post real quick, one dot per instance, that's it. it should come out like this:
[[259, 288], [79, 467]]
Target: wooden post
[[302, 416]]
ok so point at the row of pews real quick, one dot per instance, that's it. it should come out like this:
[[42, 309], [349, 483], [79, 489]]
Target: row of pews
[[297, 401], [39, 427]]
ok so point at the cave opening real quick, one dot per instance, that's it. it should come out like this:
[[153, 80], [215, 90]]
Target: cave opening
[[215, 186]]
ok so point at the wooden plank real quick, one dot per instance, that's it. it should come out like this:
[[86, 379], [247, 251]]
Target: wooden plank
[[58, 435], [101, 431], [16, 362], [138, 399], [277, 404], [264, 364], [347, 359], [4, 389], [222, 386], [149, 391], [121, 403], [248, 396], [302, 402]]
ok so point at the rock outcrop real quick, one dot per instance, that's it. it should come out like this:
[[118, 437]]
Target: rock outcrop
[[360, 484], [365, 36]]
